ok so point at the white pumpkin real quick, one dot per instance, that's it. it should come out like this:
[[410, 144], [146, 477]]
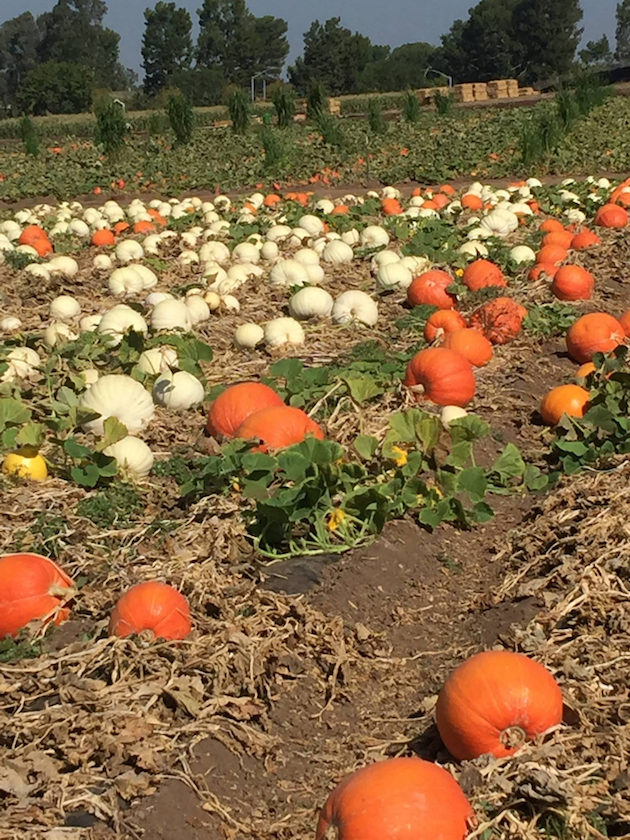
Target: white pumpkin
[[178, 391], [337, 252], [128, 251], [65, 308], [450, 413], [198, 308], [306, 256], [171, 315], [523, 254], [325, 206], [276, 233], [374, 236], [288, 273], [66, 266], [89, 323], [10, 324], [79, 228], [393, 275], [157, 297], [383, 258], [247, 336], [311, 302], [313, 225], [315, 274], [282, 331], [269, 251], [102, 262], [89, 376], [158, 360], [23, 363], [125, 281], [58, 333], [120, 396], [132, 456], [245, 252], [119, 320], [355, 306], [473, 249], [351, 237], [37, 270]]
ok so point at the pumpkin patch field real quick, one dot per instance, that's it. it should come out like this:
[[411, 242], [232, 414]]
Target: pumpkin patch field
[[314, 514]]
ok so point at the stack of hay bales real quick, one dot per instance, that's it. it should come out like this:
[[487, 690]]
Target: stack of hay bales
[[480, 91], [464, 93], [497, 89]]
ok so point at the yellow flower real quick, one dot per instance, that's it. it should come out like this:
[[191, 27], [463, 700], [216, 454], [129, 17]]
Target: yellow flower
[[460, 272], [401, 457], [335, 518]]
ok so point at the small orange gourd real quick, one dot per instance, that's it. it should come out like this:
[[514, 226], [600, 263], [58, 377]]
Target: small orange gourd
[[152, 606], [31, 587], [565, 399], [441, 322]]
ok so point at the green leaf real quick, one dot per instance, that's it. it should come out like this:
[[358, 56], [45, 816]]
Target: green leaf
[[12, 413], [113, 431], [362, 388], [75, 449], [473, 480], [403, 426], [601, 418], [470, 427], [66, 396], [86, 476], [31, 435], [509, 464], [460, 454], [366, 446], [428, 430]]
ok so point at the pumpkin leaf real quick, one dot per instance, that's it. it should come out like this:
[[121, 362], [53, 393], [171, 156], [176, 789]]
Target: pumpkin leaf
[[362, 388], [30, 435], [509, 464], [473, 480], [12, 413], [366, 446], [113, 431]]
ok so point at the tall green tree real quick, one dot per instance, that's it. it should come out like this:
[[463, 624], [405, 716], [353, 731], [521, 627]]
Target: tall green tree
[[623, 31], [166, 45], [73, 33], [399, 69], [240, 44], [597, 52], [333, 56], [481, 48], [57, 88], [548, 33], [19, 41]]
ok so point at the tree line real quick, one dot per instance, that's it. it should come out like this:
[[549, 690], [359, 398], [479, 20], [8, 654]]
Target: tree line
[[55, 62]]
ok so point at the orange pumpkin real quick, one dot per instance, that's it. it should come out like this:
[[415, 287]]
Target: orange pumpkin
[[236, 404], [495, 702], [472, 202], [543, 270], [594, 333], [562, 238], [278, 427], [30, 234], [152, 606], [120, 227], [611, 216], [443, 321], [625, 322], [584, 240], [482, 273], [471, 344], [102, 238], [552, 254], [551, 225], [572, 282], [585, 370], [272, 199], [565, 399], [447, 189], [341, 210], [500, 320], [442, 376], [440, 200], [430, 289], [391, 207], [42, 246], [144, 227], [31, 587], [396, 799]]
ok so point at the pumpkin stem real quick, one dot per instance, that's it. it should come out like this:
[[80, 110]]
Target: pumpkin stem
[[513, 737], [417, 389]]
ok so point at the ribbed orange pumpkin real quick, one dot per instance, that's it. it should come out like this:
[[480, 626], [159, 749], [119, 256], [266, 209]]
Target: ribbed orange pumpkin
[[625, 322], [442, 376], [391, 207], [278, 427], [397, 799], [471, 344], [543, 270], [551, 225], [594, 333], [30, 234], [443, 321], [584, 240], [31, 587], [552, 254], [495, 702], [152, 606], [565, 399], [430, 289], [500, 320], [42, 246], [482, 273], [472, 202], [561, 238], [103, 238], [236, 404], [611, 216], [572, 282]]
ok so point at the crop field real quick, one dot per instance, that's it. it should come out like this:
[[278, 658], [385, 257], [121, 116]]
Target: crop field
[[282, 456]]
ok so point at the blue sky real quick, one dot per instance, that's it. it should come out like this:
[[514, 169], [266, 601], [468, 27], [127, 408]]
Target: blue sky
[[392, 22]]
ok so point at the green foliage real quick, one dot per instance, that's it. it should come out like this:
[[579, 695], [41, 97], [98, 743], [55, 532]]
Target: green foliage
[[47, 536], [18, 260], [15, 650], [540, 138], [181, 119], [604, 431], [316, 101], [375, 117], [444, 102], [239, 106], [597, 52], [20, 38], [550, 319], [166, 44], [622, 52], [28, 135], [330, 129], [273, 147], [411, 107], [111, 128], [118, 505], [56, 88], [202, 86], [283, 100], [549, 35], [88, 467]]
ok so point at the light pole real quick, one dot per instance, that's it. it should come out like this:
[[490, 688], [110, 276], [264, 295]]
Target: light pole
[[439, 73]]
